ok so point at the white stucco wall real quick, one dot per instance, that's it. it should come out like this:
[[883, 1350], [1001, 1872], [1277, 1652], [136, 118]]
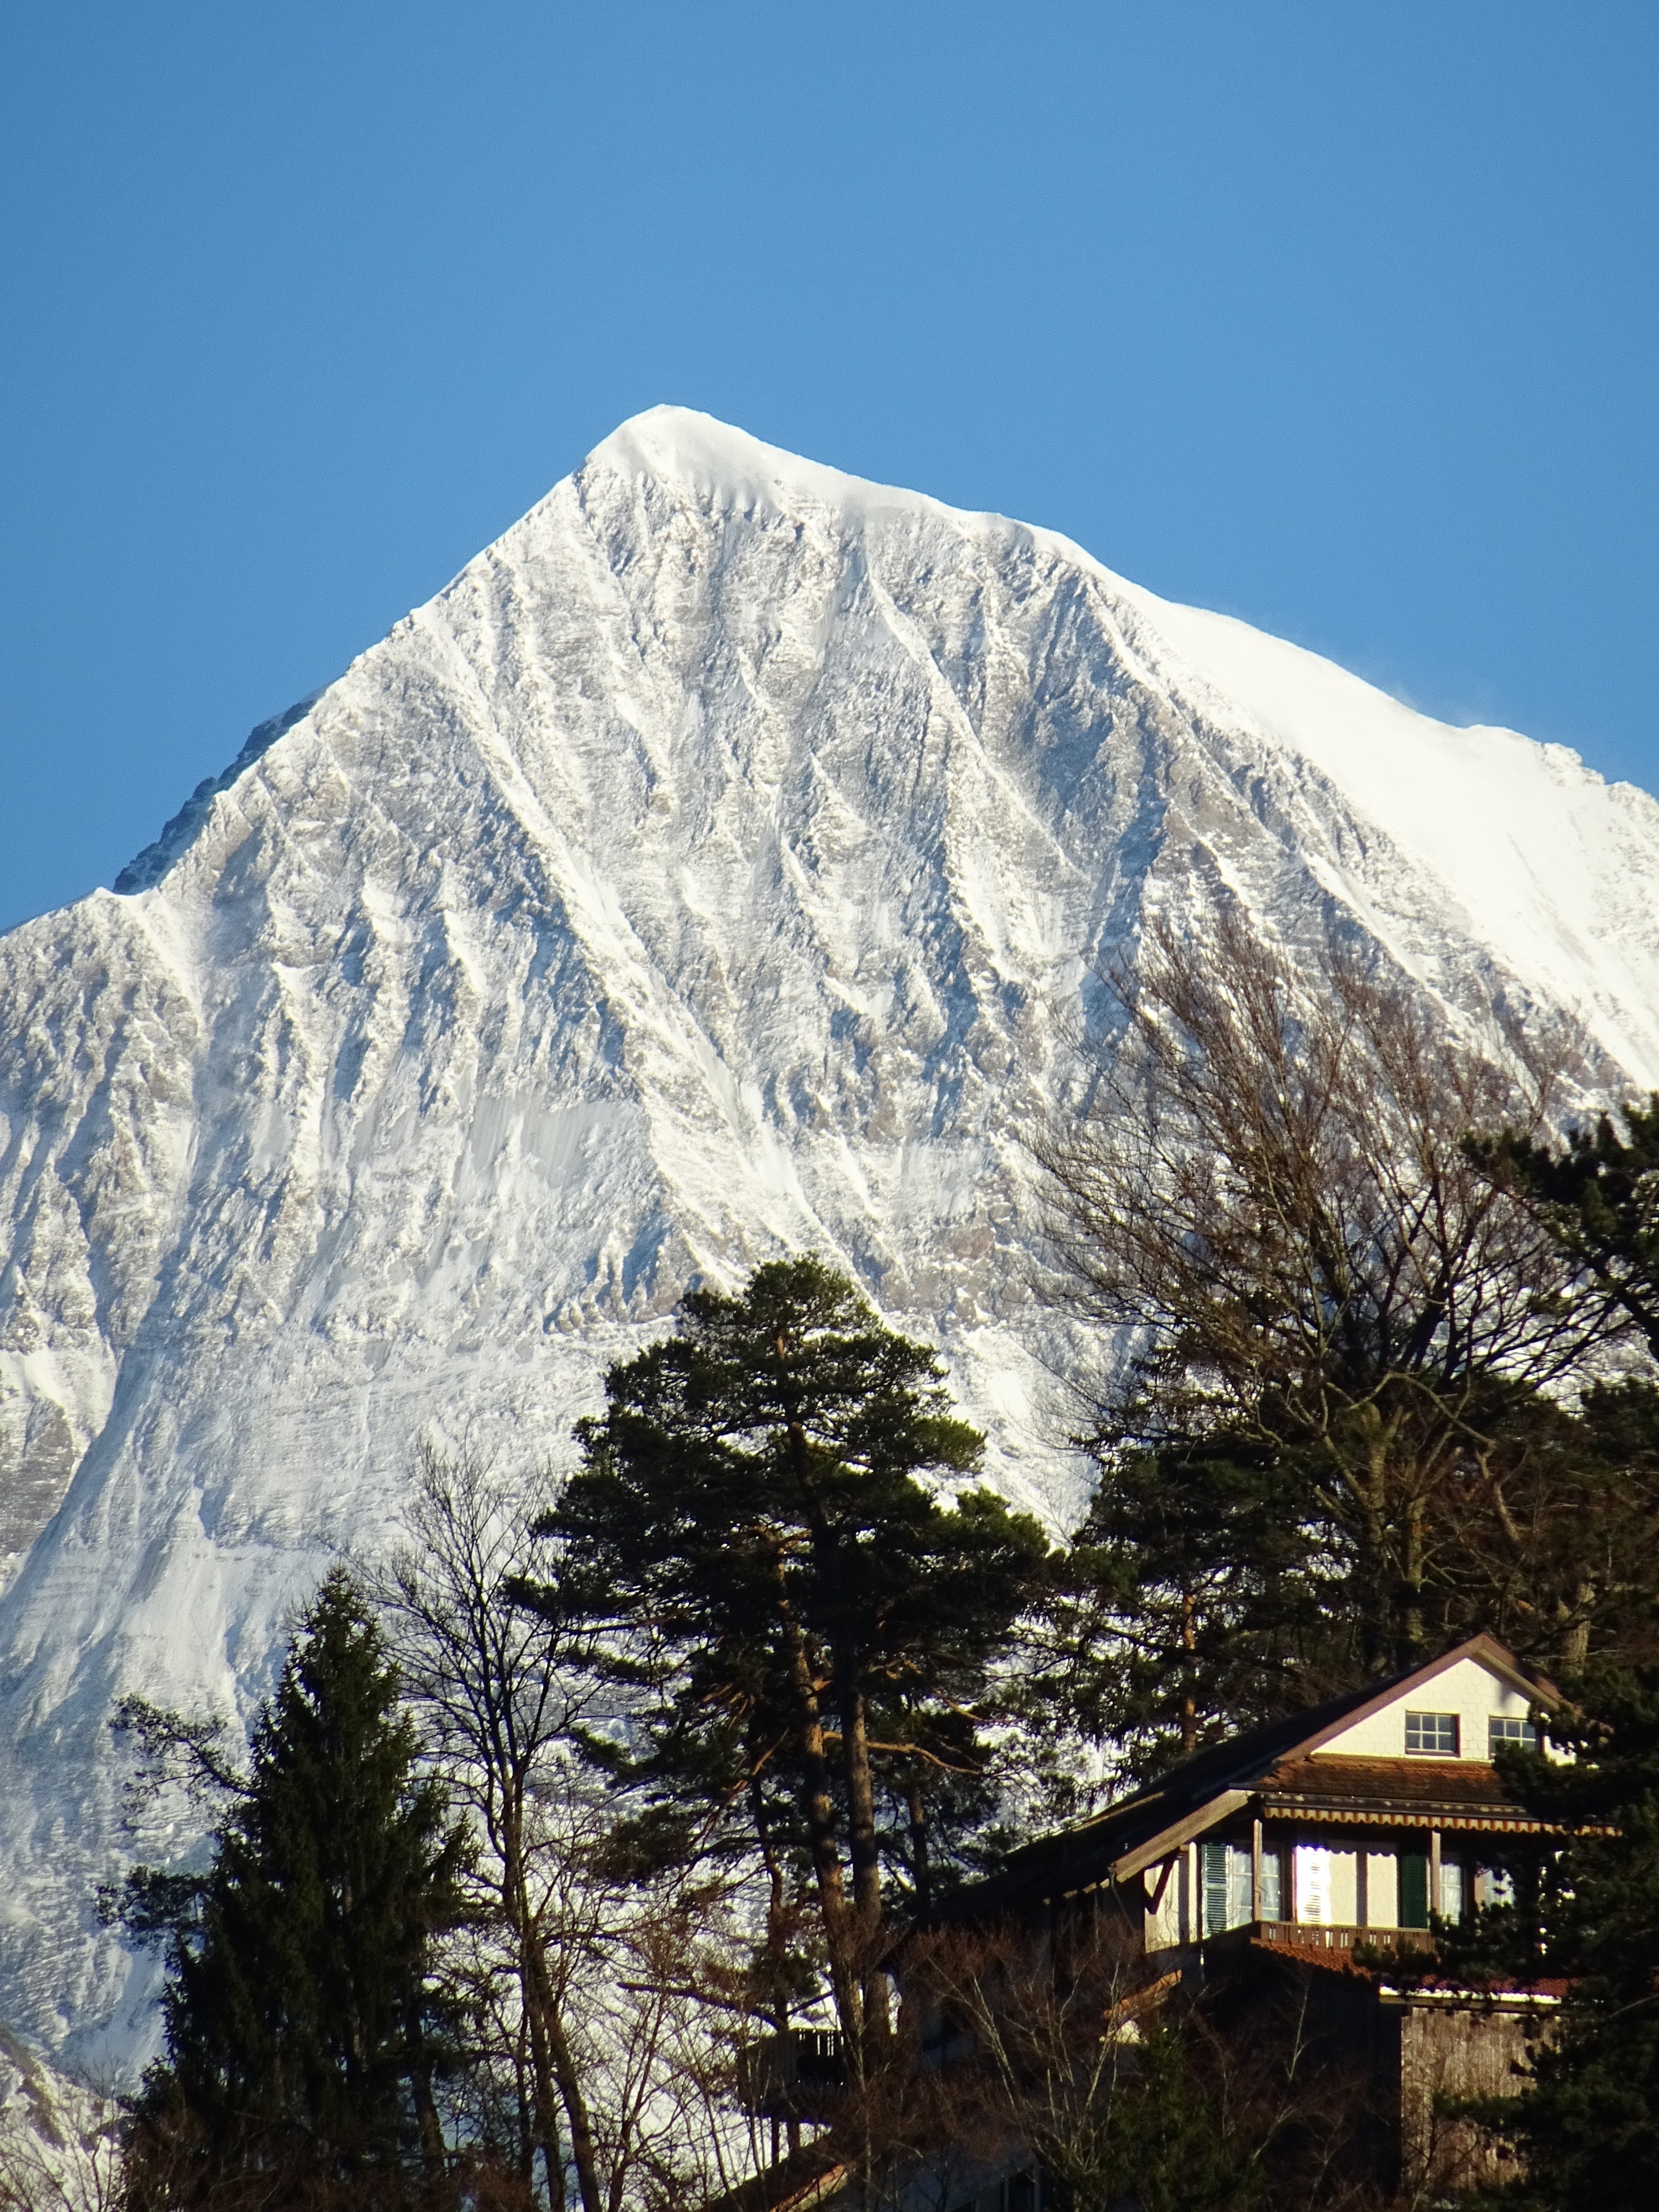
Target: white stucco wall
[[1469, 1689]]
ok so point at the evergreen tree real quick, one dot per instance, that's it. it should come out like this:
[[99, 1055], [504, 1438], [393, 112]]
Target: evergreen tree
[[1597, 1193], [1586, 1912], [1195, 1599], [305, 2037], [755, 1518]]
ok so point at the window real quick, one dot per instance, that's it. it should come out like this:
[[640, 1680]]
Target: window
[[1451, 1890], [1272, 1885], [1500, 1731], [1434, 1734], [1224, 1875]]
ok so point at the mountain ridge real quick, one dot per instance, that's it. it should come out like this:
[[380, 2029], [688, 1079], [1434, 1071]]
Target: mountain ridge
[[719, 865]]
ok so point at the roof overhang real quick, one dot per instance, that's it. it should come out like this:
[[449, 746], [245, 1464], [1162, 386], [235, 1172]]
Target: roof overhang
[[1454, 1817], [1218, 1808]]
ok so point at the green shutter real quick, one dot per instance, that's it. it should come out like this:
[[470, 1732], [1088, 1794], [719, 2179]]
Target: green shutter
[[1413, 1889]]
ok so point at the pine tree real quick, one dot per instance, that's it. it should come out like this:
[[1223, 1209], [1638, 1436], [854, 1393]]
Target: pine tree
[[1597, 1194], [305, 2038], [1193, 1601], [1586, 1912], [756, 1518]]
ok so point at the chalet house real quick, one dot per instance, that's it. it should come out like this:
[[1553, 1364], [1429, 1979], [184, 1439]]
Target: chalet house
[[1365, 1814], [1262, 1862], [1277, 1850]]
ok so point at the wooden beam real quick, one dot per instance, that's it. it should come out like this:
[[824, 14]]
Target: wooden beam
[[1180, 1832]]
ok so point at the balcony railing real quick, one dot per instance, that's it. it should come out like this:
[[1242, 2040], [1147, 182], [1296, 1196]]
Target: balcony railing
[[1314, 1936], [796, 2075]]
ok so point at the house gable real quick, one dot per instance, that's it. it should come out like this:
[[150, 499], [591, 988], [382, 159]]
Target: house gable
[[1470, 1692]]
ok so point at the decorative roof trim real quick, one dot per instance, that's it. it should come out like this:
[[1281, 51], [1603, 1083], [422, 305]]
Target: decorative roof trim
[[1417, 1815]]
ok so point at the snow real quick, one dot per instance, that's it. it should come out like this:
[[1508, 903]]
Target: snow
[[715, 868], [1531, 846]]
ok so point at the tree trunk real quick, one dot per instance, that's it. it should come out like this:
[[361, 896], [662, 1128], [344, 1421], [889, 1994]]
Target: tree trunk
[[553, 2071], [820, 1817], [582, 2150], [1575, 1650], [844, 1978], [1411, 1627], [553, 2063], [919, 1867], [861, 1837]]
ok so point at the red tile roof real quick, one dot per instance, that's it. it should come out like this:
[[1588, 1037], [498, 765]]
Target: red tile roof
[[1445, 1793]]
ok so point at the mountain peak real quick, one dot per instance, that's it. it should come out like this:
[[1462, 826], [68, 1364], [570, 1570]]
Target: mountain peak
[[718, 867], [681, 446]]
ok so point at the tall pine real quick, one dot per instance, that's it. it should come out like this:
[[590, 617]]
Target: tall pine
[[304, 2036], [758, 1517], [1597, 1194]]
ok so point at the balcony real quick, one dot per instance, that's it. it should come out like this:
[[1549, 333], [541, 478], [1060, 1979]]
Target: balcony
[[1316, 1935], [797, 2075]]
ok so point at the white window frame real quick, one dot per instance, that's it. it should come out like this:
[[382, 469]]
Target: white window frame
[[1436, 1750]]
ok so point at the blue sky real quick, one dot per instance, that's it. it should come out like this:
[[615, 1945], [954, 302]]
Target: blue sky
[[1340, 318]]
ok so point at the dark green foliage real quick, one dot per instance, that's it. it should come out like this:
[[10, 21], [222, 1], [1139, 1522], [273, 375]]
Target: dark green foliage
[[808, 1627], [1586, 1916], [304, 2036], [1219, 1582], [1562, 1529], [1196, 1599], [1598, 1194]]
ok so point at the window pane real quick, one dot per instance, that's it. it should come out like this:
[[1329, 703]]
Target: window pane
[[1240, 1872], [1433, 1732], [1273, 1885], [1224, 1881], [1503, 1730], [1313, 1883], [1451, 1890]]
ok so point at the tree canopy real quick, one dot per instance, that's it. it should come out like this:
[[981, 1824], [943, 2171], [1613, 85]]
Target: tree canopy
[[1597, 1195], [304, 2031], [1338, 1439], [776, 1515]]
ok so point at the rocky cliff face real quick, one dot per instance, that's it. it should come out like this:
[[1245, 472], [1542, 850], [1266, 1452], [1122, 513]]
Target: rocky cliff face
[[717, 867]]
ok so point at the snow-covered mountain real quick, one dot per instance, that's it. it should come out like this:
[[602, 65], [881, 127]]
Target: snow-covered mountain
[[716, 868]]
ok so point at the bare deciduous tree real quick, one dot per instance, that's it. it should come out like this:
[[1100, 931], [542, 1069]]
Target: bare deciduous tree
[[1271, 1189], [59, 2143], [498, 1690], [1061, 2054], [604, 2003]]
